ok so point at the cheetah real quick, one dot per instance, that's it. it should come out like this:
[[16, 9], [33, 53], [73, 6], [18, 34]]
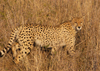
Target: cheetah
[[28, 35]]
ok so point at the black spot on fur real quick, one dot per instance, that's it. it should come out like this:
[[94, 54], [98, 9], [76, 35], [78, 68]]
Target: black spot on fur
[[11, 38], [11, 52], [67, 53], [29, 48], [63, 46], [31, 29], [16, 40], [21, 40], [34, 44], [30, 37], [19, 49], [13, 57], [26, 31], [28, 34], [25, 52], [30, 44]]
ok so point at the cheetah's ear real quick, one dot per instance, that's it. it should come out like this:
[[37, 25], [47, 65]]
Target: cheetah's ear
[[74, 22], [82, 19]]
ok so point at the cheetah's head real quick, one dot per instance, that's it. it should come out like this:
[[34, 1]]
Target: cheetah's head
[[77, 23]]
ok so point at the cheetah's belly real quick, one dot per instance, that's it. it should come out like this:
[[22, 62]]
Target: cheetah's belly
[[49, 43], [50, 40]]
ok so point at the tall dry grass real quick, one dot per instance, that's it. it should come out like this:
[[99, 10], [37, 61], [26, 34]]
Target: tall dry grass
[[14, 13]]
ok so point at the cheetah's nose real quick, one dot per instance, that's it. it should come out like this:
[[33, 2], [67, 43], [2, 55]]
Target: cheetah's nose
[[79, 27]]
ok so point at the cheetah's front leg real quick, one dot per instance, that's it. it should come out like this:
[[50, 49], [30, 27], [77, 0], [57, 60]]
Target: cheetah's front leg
[[71, 50]]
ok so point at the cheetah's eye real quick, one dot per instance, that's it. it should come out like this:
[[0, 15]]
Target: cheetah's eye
[[81, 23], [75, 23]]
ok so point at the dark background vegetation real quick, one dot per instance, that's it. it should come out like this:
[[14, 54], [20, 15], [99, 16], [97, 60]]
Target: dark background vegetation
[[14, 13]]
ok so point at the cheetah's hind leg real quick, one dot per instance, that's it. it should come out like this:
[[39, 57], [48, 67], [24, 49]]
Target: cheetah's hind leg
[[15, 49], [21, 55]]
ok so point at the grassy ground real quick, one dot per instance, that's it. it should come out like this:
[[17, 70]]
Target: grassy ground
[[14, 13]]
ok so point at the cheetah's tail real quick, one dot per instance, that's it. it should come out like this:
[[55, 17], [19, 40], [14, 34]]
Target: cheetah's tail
[[13, 37], [5, 50]]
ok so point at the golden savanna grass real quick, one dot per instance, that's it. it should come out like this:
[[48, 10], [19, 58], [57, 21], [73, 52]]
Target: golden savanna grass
[[14, 13]]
